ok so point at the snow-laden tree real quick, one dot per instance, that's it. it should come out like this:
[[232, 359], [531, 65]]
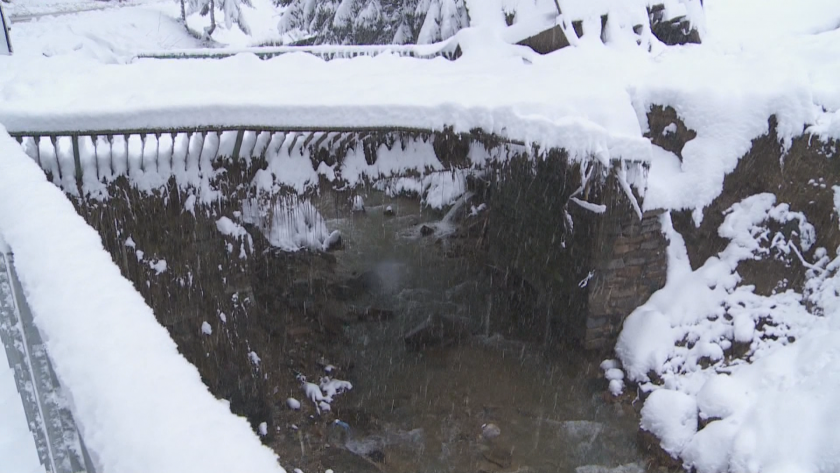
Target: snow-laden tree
[[230, 9], [372, 21]]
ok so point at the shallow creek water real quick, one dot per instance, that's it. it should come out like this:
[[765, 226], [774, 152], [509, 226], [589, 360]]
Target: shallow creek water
[[479, 402]]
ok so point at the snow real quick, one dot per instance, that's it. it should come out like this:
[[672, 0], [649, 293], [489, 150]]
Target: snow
[[332, 387], [671, 416], [773, 411], [293, 403], [769, 412], [206, 329], [159, 266], [289, 223], [111, 356]]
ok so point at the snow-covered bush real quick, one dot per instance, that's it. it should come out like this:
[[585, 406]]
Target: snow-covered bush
[[372, 21], [231, 11]]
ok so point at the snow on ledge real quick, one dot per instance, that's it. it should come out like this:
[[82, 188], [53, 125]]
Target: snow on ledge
[[140, 405]]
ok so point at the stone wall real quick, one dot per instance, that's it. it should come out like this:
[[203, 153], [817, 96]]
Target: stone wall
[[630, 263], [576, 280]]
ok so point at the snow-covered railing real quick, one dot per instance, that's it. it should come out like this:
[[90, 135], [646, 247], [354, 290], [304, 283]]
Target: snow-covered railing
[[73, 157], [59, 446], [447, 49]]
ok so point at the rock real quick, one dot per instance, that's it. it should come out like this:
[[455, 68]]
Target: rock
[[333, 241], [628, 468], [437, 330], [341, 459], [426, 230], [490, 431], [377, 456], [293, 403], [499, 456], [369, 314]]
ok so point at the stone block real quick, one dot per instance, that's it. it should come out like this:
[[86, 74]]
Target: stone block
[[616, 264], [654, 244], [595, 322]]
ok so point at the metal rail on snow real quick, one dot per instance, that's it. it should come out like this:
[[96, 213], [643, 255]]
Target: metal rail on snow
[[58, 442]]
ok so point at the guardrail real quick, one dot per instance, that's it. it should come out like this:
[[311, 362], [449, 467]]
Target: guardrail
[[448, 49], [57, 440], [106, 153]]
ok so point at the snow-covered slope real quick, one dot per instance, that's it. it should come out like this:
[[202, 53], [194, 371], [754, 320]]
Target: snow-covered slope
[[139, 404]]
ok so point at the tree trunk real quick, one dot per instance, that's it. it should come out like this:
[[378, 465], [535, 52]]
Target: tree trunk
[[183, 12], [212, 19]]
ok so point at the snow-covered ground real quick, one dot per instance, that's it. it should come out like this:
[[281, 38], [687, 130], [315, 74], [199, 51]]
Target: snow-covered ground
[[759, 58], [138, 403]]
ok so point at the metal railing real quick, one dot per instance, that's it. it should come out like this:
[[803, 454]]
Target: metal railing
[[57, 440], [448, 49], [158, 146]]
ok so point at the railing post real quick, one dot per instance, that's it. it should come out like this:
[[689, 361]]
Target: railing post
[[142, 151], [93, 140], [111, 153], [237, 146], [77, 161], [157, 152], [54, 140], [37, 140]]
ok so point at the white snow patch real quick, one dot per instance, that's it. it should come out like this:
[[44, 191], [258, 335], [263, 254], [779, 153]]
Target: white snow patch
[[206, 329], [159, 266], [671, 416], [768, 412]]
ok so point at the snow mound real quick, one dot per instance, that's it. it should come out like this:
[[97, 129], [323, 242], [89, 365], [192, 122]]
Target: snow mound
[[772, 411]]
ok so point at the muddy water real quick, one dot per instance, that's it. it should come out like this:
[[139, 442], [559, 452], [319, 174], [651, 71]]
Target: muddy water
[[471, 399]]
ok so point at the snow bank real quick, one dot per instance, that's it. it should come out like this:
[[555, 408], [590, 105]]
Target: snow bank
[[140, 405], [535, 104], [776, 409]]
